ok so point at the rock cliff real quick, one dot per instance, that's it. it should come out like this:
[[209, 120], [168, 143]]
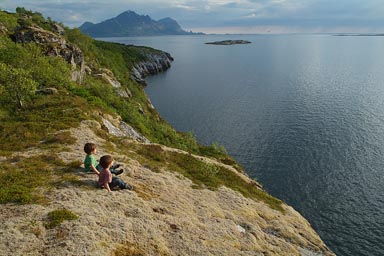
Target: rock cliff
[[155, 63], [55, 45]]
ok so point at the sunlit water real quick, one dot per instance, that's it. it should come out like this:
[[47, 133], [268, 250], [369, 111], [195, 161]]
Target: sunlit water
[[304, 114]]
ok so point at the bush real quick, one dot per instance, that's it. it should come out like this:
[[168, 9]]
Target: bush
[[16, 84], [9, 21], [43, 70], [55, 218]]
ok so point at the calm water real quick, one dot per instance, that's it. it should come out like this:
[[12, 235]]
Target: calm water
[[303, 113]]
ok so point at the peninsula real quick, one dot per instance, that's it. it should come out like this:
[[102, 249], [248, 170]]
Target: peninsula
[[229, 42]]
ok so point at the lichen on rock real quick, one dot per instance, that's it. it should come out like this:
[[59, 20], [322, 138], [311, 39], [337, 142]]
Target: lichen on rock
[[55, 45]]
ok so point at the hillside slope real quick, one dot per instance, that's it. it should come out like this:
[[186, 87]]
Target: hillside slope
[[164, 215], [60, 89]]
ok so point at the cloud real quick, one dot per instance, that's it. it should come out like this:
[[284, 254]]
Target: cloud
[[186, 7], [260, 14]]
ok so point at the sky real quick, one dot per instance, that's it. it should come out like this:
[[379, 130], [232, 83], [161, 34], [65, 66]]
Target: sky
[[224, 16]]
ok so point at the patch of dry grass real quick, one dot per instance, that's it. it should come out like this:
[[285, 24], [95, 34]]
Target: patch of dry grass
[[128, 249]]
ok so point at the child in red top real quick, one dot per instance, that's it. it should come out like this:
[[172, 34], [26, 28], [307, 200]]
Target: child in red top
[[105, 177]]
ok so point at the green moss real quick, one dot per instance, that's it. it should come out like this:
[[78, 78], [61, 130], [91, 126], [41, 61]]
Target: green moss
[[22, 129], [56, 217], [153, 152], [23, 180], [63, 137], [213, 177]]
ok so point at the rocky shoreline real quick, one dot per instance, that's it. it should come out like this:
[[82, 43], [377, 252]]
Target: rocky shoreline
[[229, 42], [154, 64]]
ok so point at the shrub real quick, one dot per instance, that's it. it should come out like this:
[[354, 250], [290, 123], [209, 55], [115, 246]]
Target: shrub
[[17, 83], [56, 217]]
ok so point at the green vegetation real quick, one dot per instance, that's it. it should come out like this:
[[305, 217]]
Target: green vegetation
[[24, 180], [23, 69], [36, 70], [22, 129], [202, 174], [55, 218], [16, 83], [31, 120]]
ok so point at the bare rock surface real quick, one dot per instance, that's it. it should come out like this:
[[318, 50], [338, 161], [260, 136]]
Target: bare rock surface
[[154, 64]]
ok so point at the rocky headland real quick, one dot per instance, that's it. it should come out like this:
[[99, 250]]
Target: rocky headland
[[183, 202], [163, 215], [155, 63]]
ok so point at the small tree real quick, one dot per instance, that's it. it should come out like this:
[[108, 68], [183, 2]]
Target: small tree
[[16, 83], [23, 11]]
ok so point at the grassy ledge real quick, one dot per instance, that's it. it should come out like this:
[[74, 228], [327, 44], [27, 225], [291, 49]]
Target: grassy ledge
[[202, 174]]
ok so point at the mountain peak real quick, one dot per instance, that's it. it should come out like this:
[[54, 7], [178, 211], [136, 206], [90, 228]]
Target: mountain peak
[[128, 13], [129, 23], [86, 25]]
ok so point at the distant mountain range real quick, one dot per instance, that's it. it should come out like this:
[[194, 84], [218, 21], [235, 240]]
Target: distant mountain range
[[130, 23]]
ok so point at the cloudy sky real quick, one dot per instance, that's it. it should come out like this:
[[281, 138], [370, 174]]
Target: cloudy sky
[[224, 16]]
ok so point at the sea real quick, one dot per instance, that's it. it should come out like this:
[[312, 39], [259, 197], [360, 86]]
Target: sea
[[304, 115]]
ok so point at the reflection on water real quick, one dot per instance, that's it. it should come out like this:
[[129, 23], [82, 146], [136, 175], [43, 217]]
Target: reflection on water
[[304, 114]]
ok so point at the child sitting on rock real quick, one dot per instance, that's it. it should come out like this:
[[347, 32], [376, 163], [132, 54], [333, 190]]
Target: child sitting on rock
[[105, 177], [90, 163]]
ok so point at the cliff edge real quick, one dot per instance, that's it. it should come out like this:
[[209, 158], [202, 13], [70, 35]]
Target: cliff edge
[[165, 214], [60, 89]]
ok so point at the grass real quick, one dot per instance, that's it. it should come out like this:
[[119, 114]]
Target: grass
[[56, 217], [128, 249], [62, 137], [21, 178], [26, 180], [204, 175], [40, 121]]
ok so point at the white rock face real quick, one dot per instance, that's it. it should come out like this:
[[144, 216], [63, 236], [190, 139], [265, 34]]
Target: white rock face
[[124, 130], [108, 76], [155, 63]]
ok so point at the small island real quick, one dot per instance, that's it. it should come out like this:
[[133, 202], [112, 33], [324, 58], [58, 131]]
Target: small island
[[229, 42]]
